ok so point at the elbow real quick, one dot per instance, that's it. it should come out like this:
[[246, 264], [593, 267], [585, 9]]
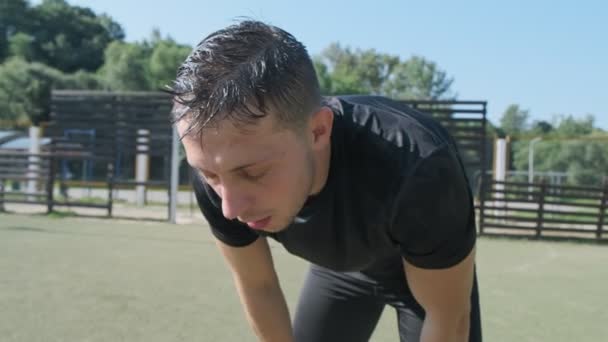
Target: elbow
[[463, 325], [455, 324]]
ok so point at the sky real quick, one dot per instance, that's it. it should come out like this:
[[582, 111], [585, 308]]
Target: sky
[[549, 57]]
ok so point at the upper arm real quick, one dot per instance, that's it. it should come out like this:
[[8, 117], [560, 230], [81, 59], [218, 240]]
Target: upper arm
[[251, 265], [443, 291], [434, 220], [435, 228]]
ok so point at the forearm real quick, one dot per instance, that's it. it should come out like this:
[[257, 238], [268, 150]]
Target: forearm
[[267, 313], [435, 329]]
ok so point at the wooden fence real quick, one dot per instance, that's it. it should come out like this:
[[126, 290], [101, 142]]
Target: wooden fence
[[541, 209], [115, 125], [101, 133], [38, 173]]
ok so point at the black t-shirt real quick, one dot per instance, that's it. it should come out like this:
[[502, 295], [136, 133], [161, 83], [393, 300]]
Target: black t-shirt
[[396, 188]]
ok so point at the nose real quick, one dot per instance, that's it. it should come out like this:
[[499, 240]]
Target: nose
[[234, 202]]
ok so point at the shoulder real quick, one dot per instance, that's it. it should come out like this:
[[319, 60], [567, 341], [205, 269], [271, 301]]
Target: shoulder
[[433, 212], [376, 142], [389, 124], [382, 137]]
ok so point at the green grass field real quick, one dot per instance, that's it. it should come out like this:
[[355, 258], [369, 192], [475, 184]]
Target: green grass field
[[79, 279]]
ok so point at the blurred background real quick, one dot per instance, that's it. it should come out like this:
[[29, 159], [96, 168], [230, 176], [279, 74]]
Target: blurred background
[[521, 85]]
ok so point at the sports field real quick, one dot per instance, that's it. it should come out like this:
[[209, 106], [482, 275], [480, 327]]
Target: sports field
[[79, 279]]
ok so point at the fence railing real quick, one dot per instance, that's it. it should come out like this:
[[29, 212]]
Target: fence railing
[[541, 209], [33, 178]]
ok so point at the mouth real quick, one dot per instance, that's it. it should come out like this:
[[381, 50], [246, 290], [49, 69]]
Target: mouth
[[259, 224]]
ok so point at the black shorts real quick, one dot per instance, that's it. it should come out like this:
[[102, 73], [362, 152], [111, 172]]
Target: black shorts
[[346, 306]]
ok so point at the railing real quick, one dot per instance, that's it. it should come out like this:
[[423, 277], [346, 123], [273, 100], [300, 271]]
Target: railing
[[38, 172], [540, 209]]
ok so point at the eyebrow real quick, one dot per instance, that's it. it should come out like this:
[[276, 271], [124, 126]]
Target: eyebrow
[[242, 167]]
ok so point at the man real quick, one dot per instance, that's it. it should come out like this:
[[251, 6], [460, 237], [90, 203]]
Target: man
[[371, 192]]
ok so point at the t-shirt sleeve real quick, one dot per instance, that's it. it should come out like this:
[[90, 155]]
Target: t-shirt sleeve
[[433, 214], [231, 232]]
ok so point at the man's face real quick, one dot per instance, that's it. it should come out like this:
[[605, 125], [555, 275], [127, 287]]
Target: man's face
[[263, 175]]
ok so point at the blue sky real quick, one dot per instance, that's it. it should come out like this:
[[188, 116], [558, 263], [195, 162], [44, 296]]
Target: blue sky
[[550, 57]]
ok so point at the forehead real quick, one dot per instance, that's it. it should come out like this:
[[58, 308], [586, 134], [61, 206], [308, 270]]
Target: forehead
[[226, 146]]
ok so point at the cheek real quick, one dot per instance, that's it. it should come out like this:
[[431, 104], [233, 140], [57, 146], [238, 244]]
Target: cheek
[[280, 185]]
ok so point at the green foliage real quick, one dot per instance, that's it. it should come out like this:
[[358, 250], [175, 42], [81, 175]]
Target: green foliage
[[569, 145], [25, 90], [13, 18], [113, 28], [71, 37], [22, 45], [514, 120], [80, 80], [342, 70], [125, 67], [54, 45], [149, 65], [65, 37], [492, 131], [541, 127], [570, 126], [325, 80], [418, 78], [166, 57]]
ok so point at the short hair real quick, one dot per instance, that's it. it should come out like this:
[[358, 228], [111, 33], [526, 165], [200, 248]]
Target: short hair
[[244, 72]]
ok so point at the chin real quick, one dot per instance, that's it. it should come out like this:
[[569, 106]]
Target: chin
[[275, 229], [278, 227]]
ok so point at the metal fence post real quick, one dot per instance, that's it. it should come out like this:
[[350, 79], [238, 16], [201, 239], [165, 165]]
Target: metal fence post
[[50, 184], [174, 176], [1, 195], [602, 213], [541, 209], [482, 191], [110, 179]]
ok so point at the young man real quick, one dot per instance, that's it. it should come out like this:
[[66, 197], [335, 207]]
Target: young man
[[371, 192]]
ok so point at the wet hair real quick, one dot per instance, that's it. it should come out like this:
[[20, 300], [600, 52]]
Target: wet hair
[[243, 73]]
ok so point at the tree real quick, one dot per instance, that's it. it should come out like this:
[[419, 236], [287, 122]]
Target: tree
[[25, 90], [514, 120], [570, 126], [148, 65], [22, 45], [325, 81], [13, 19], [342, 70], [418, 78], [126, 67], [166, 57], [341, 64], [70, 38], [541, 127], [573, 146], [113, 28]]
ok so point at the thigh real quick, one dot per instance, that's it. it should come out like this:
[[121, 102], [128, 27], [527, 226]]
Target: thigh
[[335, 307]]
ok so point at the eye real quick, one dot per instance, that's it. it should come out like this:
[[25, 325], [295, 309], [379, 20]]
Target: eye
[[254, 174], [209, 177]]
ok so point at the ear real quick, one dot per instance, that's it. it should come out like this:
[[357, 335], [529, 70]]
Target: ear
[[320, 126]]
